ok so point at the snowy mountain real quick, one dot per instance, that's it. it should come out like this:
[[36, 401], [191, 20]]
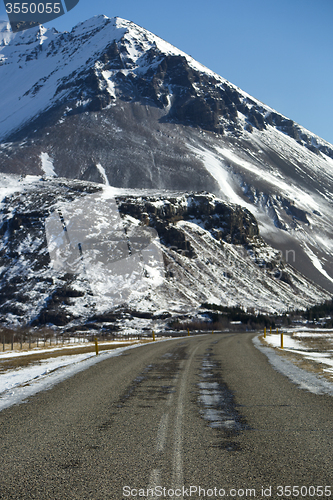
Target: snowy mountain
[[74, 253], [114, 104]]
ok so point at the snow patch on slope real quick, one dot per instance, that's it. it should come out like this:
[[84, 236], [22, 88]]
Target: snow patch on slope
[[216, 168], [273, 178], [6, 34], [316, 262], [103, 174], [47, 165]]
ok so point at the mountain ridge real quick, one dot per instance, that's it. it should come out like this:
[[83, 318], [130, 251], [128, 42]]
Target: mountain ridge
[[112, 103], [41, 37]]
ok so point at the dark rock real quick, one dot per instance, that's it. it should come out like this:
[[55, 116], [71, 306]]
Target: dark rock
[[237, 224]]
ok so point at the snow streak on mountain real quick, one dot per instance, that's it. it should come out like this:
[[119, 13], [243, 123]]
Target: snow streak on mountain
[[112, 103]]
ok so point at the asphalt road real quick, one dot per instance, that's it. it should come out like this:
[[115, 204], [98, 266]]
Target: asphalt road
[[206, 411]]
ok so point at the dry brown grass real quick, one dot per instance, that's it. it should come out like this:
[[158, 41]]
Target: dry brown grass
[[69, 350], [321, 344]]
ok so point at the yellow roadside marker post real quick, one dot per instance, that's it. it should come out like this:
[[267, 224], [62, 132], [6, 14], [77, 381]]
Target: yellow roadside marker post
[[213, 332], [188, 332], [96, 346], [264, 332], [153, 336], [281, 340]]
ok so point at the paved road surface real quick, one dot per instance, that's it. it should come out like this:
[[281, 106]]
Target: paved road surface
[[204, 411]]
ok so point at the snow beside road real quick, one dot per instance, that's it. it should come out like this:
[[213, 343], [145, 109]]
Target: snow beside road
[[300, 377], [288, 341], [20, 383]]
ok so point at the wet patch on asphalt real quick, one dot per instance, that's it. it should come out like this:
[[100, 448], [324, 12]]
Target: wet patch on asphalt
[[155, 383], [134, 386], [216, 403]]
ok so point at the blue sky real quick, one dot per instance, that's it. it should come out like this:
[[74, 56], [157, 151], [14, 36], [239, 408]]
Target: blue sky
[[278, 51]]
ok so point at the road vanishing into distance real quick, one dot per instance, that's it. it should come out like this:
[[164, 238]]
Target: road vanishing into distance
[[198, 417]]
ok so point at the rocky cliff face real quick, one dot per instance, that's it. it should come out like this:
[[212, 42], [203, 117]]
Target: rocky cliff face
[[75, 254], [225, 222]]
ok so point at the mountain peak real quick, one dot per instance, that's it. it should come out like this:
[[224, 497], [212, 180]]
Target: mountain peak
[[111, 102], [112, 49]]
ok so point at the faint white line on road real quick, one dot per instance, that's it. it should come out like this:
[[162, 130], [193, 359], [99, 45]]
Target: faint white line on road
[[162, 433], [178, 481], [154, 480], [170, 397]]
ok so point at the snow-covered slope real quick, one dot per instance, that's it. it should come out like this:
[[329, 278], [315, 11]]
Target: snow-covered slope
[[73, 252], [112, 103]]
